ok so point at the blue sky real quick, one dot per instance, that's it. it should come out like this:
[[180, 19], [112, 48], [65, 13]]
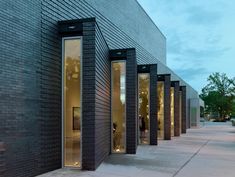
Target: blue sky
[[200, 36]]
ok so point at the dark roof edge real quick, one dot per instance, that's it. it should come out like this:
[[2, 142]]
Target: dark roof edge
[[78, 20]]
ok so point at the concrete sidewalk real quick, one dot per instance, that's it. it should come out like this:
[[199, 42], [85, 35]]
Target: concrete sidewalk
[[205, 152]]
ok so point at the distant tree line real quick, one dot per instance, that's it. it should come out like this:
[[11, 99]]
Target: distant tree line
[[219, 96]]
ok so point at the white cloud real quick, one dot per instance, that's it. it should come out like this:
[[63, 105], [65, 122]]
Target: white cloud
[[199, 36]]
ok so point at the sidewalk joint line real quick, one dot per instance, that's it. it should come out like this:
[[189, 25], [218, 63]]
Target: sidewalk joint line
[[203, 145]]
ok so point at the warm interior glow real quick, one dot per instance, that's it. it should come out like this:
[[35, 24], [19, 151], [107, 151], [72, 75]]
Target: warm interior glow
[[119, 106], [144, 81], [160, 94], [72, 106]]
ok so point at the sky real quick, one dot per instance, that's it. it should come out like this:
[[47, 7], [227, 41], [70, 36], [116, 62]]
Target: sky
[[200, 36]]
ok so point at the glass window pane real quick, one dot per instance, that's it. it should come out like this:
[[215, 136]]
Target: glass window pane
[[72, 102], [144, 82], [160, 94], [119, 106]]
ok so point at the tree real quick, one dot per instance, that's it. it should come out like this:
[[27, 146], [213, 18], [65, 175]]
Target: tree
[[219, 95]]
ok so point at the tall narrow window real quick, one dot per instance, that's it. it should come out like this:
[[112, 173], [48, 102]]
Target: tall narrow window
[[72, 102], [160, 93], [144, 82], [172, 111], [118, 106]]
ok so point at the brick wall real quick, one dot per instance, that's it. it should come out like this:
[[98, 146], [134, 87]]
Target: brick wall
[[115, 37], [2, 159], [88, 95], [30, 70], [53, 11], [102, 100], [167, 107], [131, 101], [20, 36], [153, 105], [128, 20], [184, 115], [176, 109]]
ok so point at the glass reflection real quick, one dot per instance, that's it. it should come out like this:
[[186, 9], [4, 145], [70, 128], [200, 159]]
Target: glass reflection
[[72, 102], [119, 106], [160, 94], [172, 111], [144, 108]]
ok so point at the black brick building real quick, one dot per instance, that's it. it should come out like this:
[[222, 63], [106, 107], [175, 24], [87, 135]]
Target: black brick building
[[64, 107]]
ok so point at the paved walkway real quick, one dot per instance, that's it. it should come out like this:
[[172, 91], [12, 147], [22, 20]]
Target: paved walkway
[[205, 152]]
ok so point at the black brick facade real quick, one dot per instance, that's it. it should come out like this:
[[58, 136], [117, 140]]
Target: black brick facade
[[184, 115], [20, 36], [31, 86], [167, 107], [2, 159], [131, 102], [88, 95], [102, 100], [153, 105]]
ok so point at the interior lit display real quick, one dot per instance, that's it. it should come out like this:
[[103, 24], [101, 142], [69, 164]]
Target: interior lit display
[[172, 111], [72, 102], [160, 94], [144, 129], [118, 106]]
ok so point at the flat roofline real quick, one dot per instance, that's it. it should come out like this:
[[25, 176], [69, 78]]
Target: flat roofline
[[150, 19]]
